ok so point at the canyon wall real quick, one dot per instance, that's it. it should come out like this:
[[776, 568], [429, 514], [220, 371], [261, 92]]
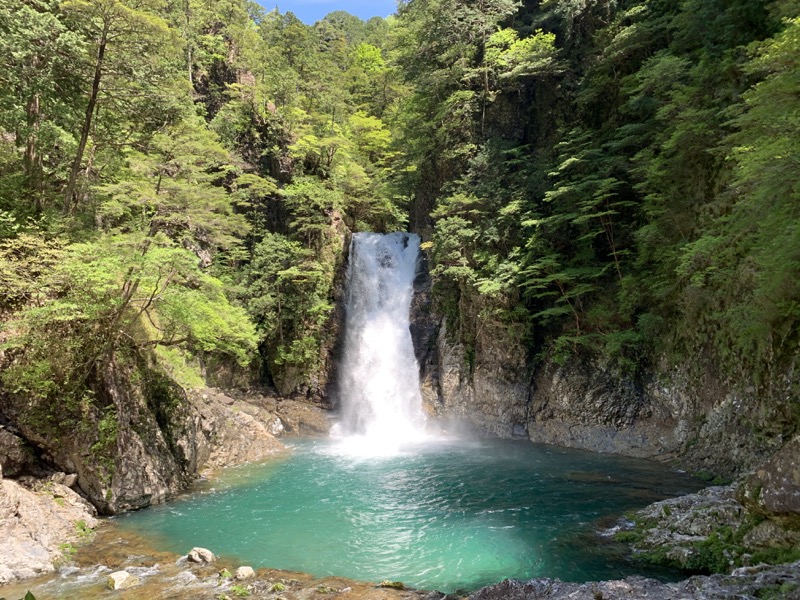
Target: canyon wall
[[684, 415]]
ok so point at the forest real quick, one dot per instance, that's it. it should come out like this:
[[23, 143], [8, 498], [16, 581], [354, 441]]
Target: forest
[[178, 179]]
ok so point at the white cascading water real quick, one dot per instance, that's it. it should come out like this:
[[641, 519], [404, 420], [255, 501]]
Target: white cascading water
[[381, 404]]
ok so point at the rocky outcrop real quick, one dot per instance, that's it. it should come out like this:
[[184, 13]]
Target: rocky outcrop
[[774, 488], [585, 406], [38, 527], [207, 430], [302, 419], [488, 393], [745, 584], [233, 431], [709, 531], [701, 424], [143, 439]]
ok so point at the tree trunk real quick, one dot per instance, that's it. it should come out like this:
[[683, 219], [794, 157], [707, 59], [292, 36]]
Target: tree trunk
[[69, 193], [32, 160]]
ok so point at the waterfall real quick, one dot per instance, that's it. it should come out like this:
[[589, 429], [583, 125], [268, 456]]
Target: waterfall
[[381, 404]]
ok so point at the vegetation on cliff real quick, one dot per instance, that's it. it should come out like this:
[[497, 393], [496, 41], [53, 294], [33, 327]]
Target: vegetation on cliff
[[624, 171]]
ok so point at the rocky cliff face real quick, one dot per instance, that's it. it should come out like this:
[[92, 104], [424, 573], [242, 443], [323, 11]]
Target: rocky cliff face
[[703, 426], [699, 422], [141, 442]]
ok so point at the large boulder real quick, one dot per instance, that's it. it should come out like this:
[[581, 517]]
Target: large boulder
[[774, 488], [201, 556], [121, 580], [38, 527]]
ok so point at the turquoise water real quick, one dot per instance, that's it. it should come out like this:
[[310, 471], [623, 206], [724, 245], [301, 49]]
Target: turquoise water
[[447, 516]]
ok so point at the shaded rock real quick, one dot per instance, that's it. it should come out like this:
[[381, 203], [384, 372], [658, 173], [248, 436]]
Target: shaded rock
[[782, 581], [64, 479], [16, 457], [244, 573], [201, 556], [302, 418], [775, 486], [35, 525], [121, 580], [424, 328], [489, 393], [585, 406]]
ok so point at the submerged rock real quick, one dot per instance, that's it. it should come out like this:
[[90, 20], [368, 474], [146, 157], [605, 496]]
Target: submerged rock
[[121, 580]]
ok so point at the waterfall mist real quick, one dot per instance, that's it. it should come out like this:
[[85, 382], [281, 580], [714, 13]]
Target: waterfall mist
[[381, 405]]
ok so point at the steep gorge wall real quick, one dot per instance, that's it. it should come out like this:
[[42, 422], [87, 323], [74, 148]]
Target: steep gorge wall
[[683, 415]]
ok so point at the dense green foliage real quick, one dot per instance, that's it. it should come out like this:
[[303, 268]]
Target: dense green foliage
[[177, 179], [625, 171]]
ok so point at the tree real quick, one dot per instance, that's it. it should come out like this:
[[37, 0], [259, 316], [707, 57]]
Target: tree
[[37, 86], [122, 35]]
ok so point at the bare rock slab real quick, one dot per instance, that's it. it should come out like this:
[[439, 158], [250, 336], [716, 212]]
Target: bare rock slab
[[35, 524]]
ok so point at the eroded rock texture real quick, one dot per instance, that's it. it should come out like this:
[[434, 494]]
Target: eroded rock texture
[[37, 525]]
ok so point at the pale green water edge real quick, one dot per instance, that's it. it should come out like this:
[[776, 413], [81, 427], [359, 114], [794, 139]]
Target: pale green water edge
[[449, 516]]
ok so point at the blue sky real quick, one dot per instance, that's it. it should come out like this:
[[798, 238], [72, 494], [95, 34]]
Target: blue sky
[[310, 11]]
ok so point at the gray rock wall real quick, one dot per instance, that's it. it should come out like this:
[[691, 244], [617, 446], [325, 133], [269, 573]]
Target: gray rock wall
[[686, 416]]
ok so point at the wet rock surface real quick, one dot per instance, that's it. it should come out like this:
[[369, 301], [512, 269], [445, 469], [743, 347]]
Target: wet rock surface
[[490, 393], [709, 530], [303, 419]]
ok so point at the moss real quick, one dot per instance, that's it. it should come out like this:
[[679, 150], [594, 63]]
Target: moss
[[239, 590], [777, 556], [777, 592], [83, 530], [717, 553], [67, 549], [629, 537]]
